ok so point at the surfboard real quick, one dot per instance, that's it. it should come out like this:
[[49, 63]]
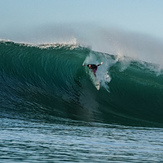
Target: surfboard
[[97, 84], [94, 79]]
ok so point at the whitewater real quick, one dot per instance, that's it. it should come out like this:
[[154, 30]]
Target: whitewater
[[52, 112]]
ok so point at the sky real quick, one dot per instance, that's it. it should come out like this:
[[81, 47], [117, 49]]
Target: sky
[[121, 27], [144, 16]]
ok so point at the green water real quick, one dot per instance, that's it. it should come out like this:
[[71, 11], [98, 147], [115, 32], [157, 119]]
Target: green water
[[50, 111]]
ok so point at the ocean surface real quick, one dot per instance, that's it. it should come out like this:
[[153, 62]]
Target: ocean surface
[[51, 111]]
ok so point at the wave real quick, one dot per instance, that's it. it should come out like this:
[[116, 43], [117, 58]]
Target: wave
[[48, 80]]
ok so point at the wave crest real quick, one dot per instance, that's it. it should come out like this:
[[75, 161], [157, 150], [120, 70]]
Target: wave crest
[[49, 80]]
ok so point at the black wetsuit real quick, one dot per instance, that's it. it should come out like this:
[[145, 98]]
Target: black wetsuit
[[93, 66]]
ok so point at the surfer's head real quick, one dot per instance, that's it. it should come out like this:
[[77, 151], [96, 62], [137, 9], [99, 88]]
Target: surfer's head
[[89, 66]]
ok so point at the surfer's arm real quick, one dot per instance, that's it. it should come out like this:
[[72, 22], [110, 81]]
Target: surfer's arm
[[100, 64]]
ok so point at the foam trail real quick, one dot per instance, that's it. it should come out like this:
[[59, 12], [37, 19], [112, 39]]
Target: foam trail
[[102, 73]]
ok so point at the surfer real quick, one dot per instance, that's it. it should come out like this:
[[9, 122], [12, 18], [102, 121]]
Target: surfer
[[93, 67]]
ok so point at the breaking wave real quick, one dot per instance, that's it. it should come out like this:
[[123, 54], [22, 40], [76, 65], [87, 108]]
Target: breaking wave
[[48, 80]]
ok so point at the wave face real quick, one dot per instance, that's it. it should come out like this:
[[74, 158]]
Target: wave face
[[48, 81]]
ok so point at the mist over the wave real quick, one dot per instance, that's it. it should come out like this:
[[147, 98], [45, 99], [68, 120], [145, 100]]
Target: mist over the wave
[[108, 40]]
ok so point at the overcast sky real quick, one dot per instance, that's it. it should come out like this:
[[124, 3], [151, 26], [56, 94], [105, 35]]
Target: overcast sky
[[144, 16]]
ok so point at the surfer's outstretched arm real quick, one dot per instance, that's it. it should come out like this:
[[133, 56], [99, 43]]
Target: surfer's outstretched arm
[[100, 64]]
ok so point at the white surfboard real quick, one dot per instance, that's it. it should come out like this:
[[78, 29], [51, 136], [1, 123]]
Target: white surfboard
[[97, 84]]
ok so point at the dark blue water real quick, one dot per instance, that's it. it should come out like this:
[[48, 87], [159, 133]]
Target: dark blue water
[[75, 141]]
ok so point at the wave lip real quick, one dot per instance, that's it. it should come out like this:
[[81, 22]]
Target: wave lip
[[49, 80]]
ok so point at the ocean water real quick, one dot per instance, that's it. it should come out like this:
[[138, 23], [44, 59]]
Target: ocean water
[[52, 112]]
